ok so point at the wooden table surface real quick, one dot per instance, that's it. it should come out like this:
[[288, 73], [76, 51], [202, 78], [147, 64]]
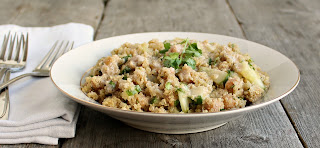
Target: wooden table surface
[[290, 26]]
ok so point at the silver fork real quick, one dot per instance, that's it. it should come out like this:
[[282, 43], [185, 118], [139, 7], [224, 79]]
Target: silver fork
[[43, 69], [17, 62], [4, 95], [11, 63]]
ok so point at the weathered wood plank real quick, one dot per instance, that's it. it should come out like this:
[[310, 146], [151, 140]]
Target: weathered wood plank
[[293, 28], [35, 13], [125, 17], [267, 127]]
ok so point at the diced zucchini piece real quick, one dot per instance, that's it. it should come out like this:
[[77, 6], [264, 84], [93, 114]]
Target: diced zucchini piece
[[198, 91], [216, 75], [250, 74], [183, 99]]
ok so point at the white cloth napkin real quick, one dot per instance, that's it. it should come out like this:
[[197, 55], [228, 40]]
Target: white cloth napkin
[[39, 112]]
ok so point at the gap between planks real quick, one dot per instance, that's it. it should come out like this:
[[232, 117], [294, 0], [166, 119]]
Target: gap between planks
[[304, 144], [287, 113], [238, 21], [105, 4]]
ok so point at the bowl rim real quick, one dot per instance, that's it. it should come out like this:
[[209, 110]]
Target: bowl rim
[[174, 115]]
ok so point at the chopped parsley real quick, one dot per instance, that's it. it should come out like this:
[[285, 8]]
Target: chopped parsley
[[241, 98], [166, 48], [192, 50], [210, 61], [168, 85], [227, 77], [136, 90], [184, 41], [153, 100], [190, 62], [131, 92], [172, 60], [176, 103], [216, 60], [126, 58], [177, 60], [198, 100], [126, 70], [250, 64], [180, 90], [113, 85], [125, 77]]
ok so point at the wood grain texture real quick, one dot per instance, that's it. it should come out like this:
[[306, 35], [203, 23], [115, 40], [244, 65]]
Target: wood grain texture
[[35, 13], [123, 17], [267, 127], [293, 28]]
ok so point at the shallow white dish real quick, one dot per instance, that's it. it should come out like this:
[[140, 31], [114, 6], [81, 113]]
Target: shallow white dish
[[68, 70]]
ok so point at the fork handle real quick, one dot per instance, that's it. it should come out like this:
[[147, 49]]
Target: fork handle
[[3, 85]]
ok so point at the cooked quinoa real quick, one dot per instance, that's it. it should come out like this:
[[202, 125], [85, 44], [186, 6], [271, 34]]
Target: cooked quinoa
[[176, 76]]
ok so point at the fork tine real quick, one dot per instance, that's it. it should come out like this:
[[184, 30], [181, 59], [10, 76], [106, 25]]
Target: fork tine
[[2, 71], [11, 46], [18, 47], [72, 43], [47, 56], [25, 48], [4, 46], [53, 57], [63, 50]]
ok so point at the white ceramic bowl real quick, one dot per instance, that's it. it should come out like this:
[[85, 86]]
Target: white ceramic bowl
[[68, 70]]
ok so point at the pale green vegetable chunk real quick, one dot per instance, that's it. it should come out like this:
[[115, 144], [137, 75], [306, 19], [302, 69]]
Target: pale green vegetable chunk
[[250, 74], [216, 75], [183, 98]]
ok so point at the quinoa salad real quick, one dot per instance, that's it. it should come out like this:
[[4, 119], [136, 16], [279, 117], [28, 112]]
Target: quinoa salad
[[176, 76]]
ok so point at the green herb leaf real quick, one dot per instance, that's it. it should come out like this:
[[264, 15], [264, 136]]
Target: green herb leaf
[[125, 77], [168, 85], [131, 92], [180, 90], [190, 62], [137, 88], [166, 48], [198, 100], [176, 103], [241, 98], [227, 77], [172, 60], [126, 58], [113, 85], [222, 109], [125, 70], [216, 60], [249, 63], [184, 41], [193, 50], [153, 100], [210, 61], [163, 51]]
